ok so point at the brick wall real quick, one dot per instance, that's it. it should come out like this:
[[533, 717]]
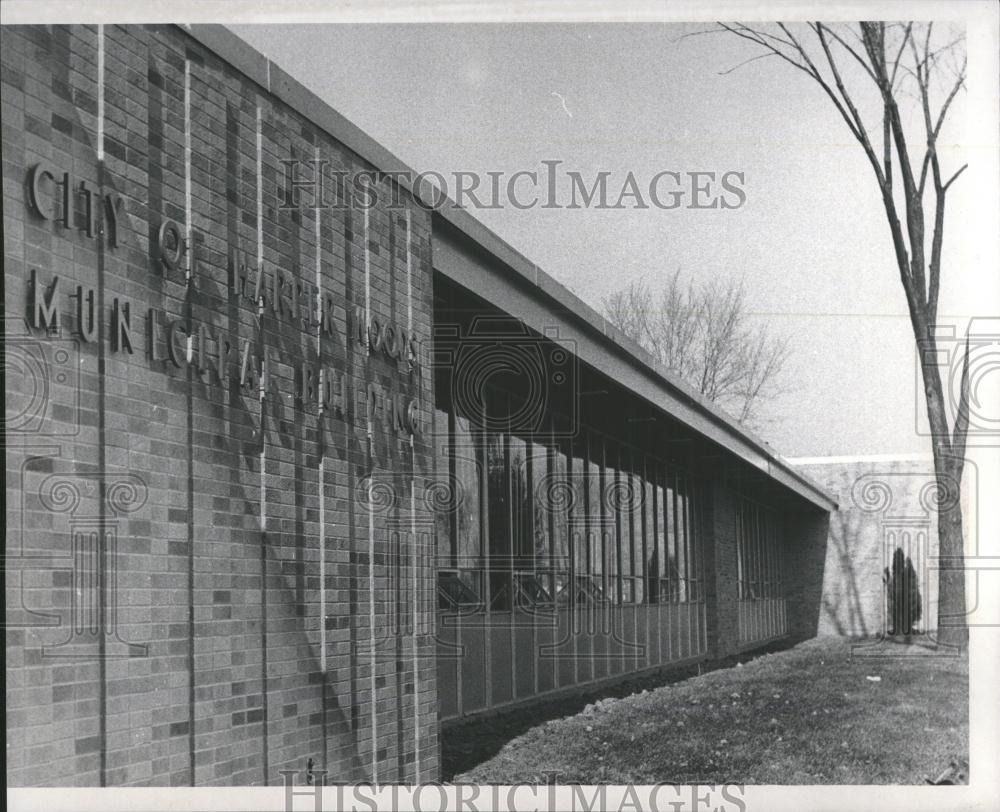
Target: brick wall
[[804, 547], [721, 571], [164, 588]]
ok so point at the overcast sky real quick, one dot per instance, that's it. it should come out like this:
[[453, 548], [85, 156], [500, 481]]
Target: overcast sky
[[811, 240]]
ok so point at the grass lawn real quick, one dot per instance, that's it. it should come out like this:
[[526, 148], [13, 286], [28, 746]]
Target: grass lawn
[[807, 715]]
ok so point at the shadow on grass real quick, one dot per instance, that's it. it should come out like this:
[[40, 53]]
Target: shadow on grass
[[810, 714], [468, 743]]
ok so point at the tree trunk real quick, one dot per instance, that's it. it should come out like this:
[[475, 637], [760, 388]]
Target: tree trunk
[[951, 614]]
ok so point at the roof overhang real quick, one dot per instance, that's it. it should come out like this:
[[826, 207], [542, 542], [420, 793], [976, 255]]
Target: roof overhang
[[476, 262], [472, 255]]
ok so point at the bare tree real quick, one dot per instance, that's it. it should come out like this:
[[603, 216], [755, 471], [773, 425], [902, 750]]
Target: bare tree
[[702, 335], [903, 78]]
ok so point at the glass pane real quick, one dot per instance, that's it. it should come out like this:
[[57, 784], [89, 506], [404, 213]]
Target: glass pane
[[520, 503], [559, 496], [673, 561], [454, 592], [443, 479], [697, 533], [763, 553], [755, 548], [578, 514], [741, 550], [765, 516], [473, 580], [594, 513], [541, 518], [497, 485], [649, 533], [627, 507], [468, 456], [745, 531], [775, 558], [637, 558], [612, 517], [681, 529], [693, 575], [748, 527], [663, 538], [532, 590]]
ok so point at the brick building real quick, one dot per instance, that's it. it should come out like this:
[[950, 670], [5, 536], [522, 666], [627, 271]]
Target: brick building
[[298, 468]]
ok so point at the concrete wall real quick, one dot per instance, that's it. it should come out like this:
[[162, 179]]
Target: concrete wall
[[883, 505], [168, 619]]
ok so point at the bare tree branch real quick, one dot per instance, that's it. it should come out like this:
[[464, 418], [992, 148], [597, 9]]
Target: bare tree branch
[[848, 48], [902, 47], [745, 62], [703, 335], [954, 177]]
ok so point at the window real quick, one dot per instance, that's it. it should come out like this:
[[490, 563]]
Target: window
[[664, 534], [636, 549], [649, 532], [532, 590], [691, 523], [468, 468], [670, 573], [758, 552], [443, 483], [498, 514], [680, 522], [457, 510], [611, 522], [595, 517], [698, 536], [559, 497], [578, 516], [542, 518], [453, 592], [520, 503], [629, 522]]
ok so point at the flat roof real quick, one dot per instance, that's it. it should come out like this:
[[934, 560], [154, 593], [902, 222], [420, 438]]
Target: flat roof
[[676, 397]]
